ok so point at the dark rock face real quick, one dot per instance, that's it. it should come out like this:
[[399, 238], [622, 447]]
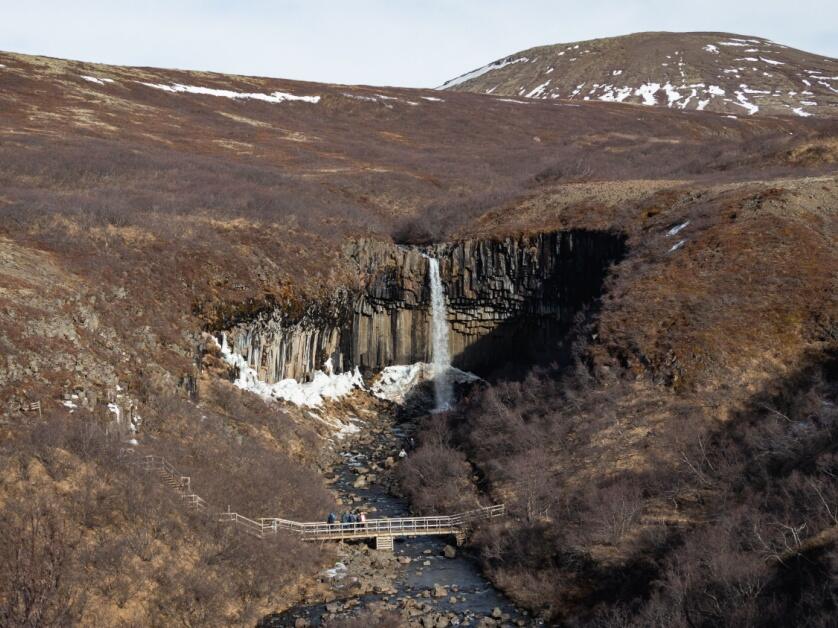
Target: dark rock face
[[507, 301]]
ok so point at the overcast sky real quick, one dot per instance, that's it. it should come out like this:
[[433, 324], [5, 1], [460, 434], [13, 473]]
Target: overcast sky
[[416, 43]]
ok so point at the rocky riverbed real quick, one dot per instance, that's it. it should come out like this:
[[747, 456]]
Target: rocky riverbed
[[424, 582]]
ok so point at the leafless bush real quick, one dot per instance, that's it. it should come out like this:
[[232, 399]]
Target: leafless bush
[[613, 511], [36, 585], [438, 480], [191, 597]]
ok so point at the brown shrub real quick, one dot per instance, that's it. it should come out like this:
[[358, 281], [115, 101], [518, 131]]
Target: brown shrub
[[438, 480], [37, 574]]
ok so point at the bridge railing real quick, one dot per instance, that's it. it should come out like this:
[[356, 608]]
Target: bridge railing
[[396, 526], [249, 526]]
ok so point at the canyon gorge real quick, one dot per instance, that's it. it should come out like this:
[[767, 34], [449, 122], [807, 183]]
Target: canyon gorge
[[505, 298]]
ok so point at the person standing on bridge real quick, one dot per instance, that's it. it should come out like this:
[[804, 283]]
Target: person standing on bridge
[[331, 518], [362, 518]]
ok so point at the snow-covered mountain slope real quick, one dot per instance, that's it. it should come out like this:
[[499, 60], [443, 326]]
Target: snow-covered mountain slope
[[721, 72]]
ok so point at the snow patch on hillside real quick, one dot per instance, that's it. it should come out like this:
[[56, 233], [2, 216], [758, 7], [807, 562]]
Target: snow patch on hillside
[[743, 101], [677, 228], [496, 65], [538, 91], [672, 94], [273, 97], [615, 95], [98, 81], [647, 91]]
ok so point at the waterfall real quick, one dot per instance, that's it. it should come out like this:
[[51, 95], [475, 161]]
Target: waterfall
[[440, 358]]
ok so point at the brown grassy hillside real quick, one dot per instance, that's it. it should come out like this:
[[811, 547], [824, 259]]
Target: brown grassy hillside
[[135, 216]]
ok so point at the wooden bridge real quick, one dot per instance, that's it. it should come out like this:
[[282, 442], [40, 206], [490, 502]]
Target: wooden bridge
[[384, 531]]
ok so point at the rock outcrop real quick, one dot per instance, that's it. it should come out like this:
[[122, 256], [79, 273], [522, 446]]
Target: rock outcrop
[[506, 298]]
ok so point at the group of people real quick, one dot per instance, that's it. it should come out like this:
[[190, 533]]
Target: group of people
[[347, 517]]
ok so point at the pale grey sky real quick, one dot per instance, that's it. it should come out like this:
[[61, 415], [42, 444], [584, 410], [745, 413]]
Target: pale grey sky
[[416, 43]]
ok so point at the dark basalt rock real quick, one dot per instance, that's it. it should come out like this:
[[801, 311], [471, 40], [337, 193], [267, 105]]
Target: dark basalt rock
[[506, 299]]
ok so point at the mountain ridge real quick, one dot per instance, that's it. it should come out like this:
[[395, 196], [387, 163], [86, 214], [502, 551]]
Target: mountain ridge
[[704, 70]]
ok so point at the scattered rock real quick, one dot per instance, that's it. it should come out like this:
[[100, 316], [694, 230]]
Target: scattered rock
[[449, 551], [404, 560], [497, 613], [440, 591], [301, 622]]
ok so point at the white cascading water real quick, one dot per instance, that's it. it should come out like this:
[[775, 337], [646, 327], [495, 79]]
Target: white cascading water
[[440, 357]]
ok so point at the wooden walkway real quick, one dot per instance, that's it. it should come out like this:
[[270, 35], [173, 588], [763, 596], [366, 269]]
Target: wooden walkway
[[382, 530]]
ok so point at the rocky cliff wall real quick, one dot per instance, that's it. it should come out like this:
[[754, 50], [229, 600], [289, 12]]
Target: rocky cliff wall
[[507, 300]]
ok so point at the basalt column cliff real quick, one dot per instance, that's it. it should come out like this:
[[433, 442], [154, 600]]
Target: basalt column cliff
[[505, 299]]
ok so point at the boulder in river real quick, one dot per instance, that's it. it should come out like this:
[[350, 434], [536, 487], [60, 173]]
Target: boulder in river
[[449, 551]]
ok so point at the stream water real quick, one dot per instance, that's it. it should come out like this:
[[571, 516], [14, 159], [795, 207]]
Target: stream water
[[419, 565]]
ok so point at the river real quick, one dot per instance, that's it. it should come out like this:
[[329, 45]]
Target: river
[[422, 587]]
